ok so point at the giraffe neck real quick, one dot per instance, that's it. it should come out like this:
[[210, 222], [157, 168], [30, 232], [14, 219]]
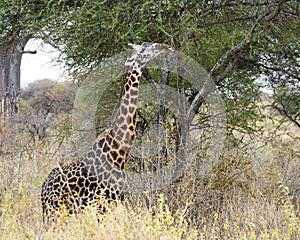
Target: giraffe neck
[[113, 145], [123, 122]]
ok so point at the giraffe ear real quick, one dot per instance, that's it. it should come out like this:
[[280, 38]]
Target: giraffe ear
[[130, 60], [134, 46]]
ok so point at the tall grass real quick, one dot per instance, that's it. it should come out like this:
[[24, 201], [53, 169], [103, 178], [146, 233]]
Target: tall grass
[[247, 195]]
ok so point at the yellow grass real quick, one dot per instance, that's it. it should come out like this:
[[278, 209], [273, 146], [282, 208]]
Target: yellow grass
[[246, 196]]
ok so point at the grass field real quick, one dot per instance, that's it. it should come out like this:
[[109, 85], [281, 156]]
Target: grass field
[[249, 194]]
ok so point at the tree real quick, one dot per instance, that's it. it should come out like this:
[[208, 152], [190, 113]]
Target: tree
[[49, 97], [232, 40], [20, 21], [15, 17]]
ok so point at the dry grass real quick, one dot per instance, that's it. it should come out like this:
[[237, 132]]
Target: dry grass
[[248, 195]]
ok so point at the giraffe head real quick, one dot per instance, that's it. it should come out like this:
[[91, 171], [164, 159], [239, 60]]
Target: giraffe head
[[145, 52]]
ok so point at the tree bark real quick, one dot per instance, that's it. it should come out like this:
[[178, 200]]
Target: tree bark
[[182, 128], [10, 72]]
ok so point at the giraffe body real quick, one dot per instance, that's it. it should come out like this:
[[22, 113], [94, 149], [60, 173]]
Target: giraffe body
[[100, 173]]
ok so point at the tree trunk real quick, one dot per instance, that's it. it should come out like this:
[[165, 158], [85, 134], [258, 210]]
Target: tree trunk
[[159, 119], [10, 72], [182, 128]]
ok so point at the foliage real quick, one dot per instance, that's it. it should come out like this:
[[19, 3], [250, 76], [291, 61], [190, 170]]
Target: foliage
[[88, 31], [287, 102], [203, 30], [20, 17], [49, 96]]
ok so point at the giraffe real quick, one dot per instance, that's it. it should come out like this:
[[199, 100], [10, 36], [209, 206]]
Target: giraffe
[[100, 173]]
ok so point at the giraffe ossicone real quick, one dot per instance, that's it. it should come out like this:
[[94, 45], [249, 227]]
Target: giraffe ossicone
[[145, 52], [100, 173]]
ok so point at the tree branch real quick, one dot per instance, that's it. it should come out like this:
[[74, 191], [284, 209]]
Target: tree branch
[[279, 69], [283, 112], [29, 52], [224, 61]]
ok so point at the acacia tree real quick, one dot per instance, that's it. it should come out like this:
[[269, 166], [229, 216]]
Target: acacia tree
[[235, 41]]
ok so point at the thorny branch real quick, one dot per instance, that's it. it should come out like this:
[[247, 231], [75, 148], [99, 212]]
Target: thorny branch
[[225, 60], [285, 113]]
